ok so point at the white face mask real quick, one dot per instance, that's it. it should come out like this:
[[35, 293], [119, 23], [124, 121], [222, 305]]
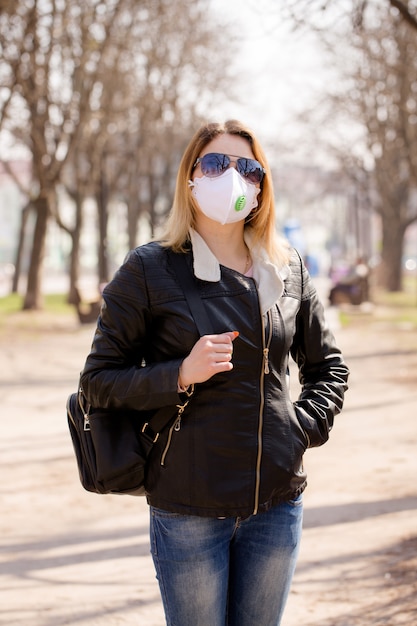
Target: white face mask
[[227, 198]]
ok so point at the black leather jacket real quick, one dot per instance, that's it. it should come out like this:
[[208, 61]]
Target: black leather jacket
[[239, 445]]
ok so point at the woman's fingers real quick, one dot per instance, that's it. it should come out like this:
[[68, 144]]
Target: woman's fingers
[[210, 355], [218, 347]]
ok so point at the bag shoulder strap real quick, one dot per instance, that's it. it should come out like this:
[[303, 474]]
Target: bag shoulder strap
[[186, 279], [191, 293], [202, 321]]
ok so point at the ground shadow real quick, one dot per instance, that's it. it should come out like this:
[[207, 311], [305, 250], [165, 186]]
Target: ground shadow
[[380, 593], [356, 511]]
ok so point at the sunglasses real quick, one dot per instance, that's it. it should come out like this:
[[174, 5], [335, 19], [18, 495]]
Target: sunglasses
[[213, 164]]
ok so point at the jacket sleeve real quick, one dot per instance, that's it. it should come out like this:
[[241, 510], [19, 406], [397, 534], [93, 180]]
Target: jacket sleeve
[[116, 374], [323, 373]]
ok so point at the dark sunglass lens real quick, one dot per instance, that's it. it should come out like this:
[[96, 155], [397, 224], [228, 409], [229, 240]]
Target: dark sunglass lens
[[250, 169], [213, 164]]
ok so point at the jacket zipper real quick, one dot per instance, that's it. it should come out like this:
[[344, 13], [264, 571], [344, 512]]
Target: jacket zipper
[[266, 342], [176, 426]]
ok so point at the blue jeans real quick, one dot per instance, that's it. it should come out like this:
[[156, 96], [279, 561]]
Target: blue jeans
[[226, 572]]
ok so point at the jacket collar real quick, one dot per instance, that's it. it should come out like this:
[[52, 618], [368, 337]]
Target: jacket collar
[[268, 277]]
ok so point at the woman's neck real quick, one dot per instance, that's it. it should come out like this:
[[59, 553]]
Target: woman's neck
[[226, 243]]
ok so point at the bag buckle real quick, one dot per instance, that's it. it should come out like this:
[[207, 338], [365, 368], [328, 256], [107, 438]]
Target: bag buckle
[[151, 434]]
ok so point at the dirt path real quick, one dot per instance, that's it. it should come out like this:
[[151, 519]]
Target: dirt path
[[69, 557]]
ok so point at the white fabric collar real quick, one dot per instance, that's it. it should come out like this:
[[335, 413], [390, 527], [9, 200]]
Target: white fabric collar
[[268, 277]]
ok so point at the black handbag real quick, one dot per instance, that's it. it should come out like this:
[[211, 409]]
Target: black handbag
[[112, 446]]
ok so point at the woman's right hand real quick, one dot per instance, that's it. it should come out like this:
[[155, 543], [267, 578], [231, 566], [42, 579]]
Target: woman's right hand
[[210, 355]]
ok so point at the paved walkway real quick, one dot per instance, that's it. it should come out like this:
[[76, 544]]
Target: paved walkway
[[70, 557]]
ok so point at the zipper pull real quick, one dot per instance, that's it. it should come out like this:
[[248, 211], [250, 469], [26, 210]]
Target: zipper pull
[[177, 423], [266, 360]]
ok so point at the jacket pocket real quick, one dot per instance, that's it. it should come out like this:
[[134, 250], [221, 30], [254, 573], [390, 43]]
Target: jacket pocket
[[300, 438], [299, 433]]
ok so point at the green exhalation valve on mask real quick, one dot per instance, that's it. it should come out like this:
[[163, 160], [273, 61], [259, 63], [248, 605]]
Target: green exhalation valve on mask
[[240, 203]]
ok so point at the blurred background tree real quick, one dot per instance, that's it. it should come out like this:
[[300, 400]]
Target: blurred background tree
[[102, 95], [373, 45]]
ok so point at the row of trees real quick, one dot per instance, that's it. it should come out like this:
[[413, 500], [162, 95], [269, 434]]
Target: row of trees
[[369, 114], [102, 95]]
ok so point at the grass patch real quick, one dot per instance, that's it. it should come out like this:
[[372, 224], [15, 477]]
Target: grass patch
[[57, 303], [400, 306], [53, 303], [405, 299], [396, 308], [56, 316], [10, 304]]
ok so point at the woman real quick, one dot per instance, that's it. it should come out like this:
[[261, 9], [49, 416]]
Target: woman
[[225, 480]]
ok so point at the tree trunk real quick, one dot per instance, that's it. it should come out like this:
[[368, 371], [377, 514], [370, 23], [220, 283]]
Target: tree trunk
[[33, 297], [132, 222], [102, 209], [152, 203], [20, 247], [392, 251], [74, 269]]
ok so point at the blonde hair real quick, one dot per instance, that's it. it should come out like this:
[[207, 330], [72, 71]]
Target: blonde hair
[[183, 212]]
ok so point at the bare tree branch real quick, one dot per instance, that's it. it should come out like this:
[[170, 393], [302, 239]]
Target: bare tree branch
[[405, 12]]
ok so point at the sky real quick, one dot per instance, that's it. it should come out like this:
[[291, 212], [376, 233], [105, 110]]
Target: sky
[[281, 69]]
